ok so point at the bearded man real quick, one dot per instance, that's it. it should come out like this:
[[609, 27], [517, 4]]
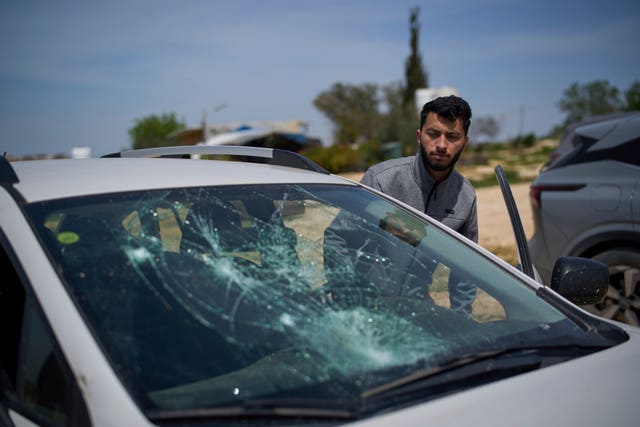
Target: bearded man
[[429, 182]]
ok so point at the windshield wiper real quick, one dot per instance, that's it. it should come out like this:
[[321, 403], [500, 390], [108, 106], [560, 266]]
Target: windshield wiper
[[452, 374], [305, 408], [480, 367]]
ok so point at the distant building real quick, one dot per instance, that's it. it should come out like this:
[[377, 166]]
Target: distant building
[[287, 135], [80, 152], [425, 95]]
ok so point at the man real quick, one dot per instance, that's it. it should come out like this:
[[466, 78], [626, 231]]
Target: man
[[429, 182]]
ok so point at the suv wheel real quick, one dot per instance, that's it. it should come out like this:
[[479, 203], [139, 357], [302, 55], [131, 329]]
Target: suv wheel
[[622, 302]]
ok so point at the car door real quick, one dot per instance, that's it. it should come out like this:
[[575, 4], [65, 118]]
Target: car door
[[38, 387], [524, 256], [635, 206]]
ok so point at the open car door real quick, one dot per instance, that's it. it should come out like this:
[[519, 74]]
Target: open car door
[[582, 281], [524, 256]]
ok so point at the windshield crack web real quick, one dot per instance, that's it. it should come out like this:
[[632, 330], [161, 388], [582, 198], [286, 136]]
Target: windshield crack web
[[244, 277], [209, 295]]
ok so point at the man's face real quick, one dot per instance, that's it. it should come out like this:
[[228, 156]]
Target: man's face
[[442, 141]]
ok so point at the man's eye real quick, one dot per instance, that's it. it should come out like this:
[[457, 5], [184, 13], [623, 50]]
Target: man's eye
[[453, 136], [433, 134]]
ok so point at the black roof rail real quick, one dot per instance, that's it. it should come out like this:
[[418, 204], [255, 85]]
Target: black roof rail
[[7, 173], [271, 156]]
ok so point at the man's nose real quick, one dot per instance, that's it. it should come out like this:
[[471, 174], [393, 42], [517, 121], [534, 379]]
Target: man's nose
[[441, 142]]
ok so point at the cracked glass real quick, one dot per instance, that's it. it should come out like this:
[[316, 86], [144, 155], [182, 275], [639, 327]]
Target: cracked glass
[[205, 297]]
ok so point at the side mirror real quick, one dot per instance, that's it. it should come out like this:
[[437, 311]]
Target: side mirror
[[582, 281]]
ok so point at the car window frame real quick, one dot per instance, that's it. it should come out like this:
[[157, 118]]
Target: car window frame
[[76, 407]]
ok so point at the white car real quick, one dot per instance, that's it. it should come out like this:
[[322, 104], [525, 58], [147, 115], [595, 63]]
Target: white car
[[170, 291]]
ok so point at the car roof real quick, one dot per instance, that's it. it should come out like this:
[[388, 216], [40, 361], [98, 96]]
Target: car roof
[[600, 118], [566, 142], [612, 132], [50, 179]]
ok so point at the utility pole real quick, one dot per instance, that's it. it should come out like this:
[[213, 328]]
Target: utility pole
[[217, 108], [521, 125]]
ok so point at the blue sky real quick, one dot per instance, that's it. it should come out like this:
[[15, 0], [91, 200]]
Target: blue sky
[[80, 73]]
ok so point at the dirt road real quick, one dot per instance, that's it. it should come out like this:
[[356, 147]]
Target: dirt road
[[493, 219]]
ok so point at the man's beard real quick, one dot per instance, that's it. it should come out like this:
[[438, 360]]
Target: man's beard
[[439, 168]]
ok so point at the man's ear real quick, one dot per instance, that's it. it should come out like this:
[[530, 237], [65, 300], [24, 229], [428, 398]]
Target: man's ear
[[418, 137]]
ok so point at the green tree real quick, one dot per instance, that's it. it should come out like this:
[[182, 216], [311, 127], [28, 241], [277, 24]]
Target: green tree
[[353, 110], [583, 100], [632, 97], [153, 131], [400, 121], [415, 76], [485, 126]]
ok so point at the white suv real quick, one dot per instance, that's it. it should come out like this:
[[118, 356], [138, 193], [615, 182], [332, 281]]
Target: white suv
[[167, 291]]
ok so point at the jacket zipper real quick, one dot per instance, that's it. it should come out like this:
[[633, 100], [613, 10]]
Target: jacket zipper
[[433, 192]]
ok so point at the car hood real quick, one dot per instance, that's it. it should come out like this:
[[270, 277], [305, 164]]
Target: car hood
[[594, 390]]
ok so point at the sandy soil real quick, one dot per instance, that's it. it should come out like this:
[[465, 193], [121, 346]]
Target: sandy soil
[[493, 219]]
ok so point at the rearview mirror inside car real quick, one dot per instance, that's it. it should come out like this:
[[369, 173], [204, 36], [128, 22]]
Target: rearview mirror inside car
[[582, 281]]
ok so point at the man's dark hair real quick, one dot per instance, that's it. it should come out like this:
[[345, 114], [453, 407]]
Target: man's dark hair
[[451, 108]]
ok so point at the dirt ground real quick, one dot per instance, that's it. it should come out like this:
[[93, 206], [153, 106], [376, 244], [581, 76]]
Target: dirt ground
[[493, 219], [494, 226]]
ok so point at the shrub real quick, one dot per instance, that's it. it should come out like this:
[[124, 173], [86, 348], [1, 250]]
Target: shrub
[[343, 158], [525, 141], [335, 159]]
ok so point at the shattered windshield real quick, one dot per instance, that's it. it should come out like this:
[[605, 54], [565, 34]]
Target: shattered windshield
[[202, 297]]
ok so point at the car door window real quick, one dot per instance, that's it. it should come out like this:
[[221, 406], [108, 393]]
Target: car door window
[[36, 382], [42, 384]]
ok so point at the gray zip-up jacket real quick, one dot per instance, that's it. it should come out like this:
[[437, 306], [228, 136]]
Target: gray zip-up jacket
[[451, 201]]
